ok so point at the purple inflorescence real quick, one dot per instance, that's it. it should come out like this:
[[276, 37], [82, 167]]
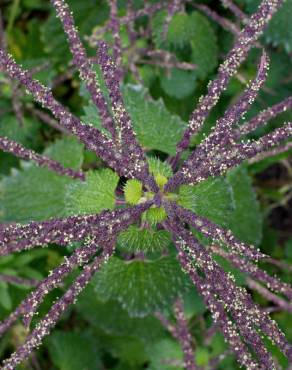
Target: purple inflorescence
[[18, 150], [241, 321]]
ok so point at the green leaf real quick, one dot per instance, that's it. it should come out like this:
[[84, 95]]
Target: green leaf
[[279, 31], [204, 45], [202, 356], [129, 350], [133, 191], [141, 286], [143, 239], [34, 193], [180, 30], [212, 198], [26, 134], [246, 219], [155, 126], [157, 167], [74, 351], [5, 300], [87, 14], [166, 354], [157, 22], [179, 83], [114, 320], [94, 195]]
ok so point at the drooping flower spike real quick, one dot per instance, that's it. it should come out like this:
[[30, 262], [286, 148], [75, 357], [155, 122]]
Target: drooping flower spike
[[264, 117], [82, 63], [215, 232]]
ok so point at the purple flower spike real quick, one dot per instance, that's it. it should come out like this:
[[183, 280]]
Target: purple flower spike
[[89, 135], [244, 312], [44, 327], [253, 270], [114, 25], [217, 233], [243, 323], [219, 315], [16, 237], [271, 153], [18, 150], [132, 153], [228, 68], [219, 162], [180, 331], [264, 117], [82, 63], [184, 337]]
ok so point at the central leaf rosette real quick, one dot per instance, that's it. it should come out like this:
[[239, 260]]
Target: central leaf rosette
[[135, 194]]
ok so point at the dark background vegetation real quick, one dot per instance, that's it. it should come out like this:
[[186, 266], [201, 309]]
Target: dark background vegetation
[[103, 335]]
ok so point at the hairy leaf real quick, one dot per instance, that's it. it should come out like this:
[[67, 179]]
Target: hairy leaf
[[141, 286], [212, 198], [34, 193], [143, 239], [93, 195]]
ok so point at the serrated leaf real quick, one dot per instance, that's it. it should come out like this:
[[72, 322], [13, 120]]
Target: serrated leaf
[[73, 351], [212, 198], [246, 219], [93, 195], [192, 33], [157, 167], [180, 30], [35, 193], [141, 286], [133, 191], [178, 83], [155, 126], [204, 45], [143, 239]]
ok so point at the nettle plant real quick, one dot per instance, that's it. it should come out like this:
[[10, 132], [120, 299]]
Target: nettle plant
[[152, 228]]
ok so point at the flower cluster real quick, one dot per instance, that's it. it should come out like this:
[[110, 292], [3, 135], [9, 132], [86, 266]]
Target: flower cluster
[[241, 321]]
